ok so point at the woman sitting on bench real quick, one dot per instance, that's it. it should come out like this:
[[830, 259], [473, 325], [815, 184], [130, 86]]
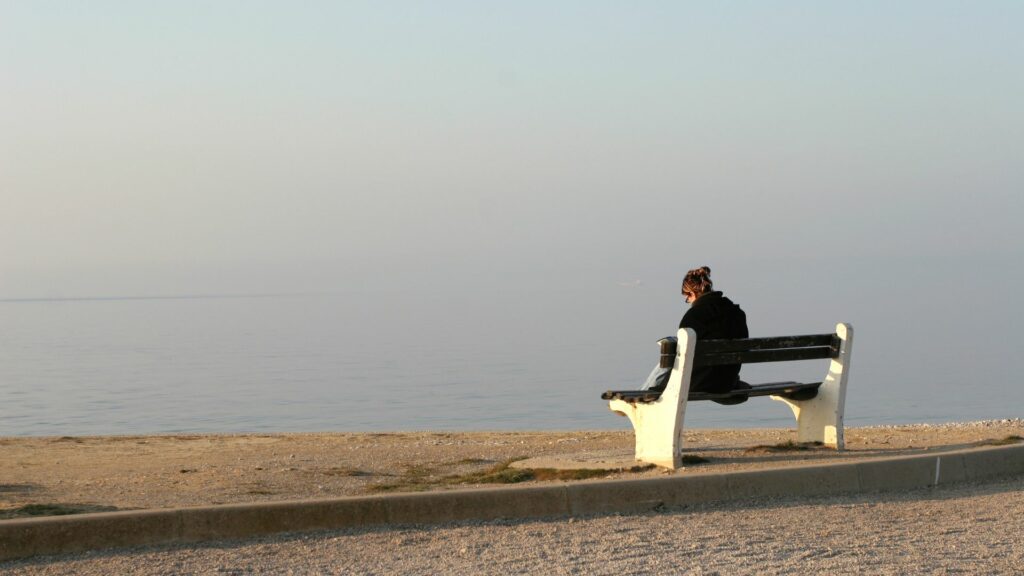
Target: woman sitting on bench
[[712, 316]]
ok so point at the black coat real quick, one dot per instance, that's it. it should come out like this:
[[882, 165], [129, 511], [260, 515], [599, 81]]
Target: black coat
[[713, 316]]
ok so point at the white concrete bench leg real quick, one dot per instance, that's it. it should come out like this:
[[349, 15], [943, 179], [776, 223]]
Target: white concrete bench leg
[[820, 419], [658, 426]]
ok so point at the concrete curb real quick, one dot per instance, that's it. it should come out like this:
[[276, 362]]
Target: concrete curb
[[64, 534]]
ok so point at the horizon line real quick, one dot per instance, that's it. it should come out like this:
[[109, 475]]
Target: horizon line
[[154, 297]]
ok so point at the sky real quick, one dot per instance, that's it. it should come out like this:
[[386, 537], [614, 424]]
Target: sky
[[165, 148]]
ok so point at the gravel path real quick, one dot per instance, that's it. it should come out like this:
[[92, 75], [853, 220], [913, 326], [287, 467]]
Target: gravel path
[[965, 529]]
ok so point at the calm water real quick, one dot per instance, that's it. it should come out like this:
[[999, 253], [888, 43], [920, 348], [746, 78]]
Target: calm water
[[412, 362]]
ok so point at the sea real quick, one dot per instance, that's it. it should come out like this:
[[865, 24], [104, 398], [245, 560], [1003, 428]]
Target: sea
[[406, 361]]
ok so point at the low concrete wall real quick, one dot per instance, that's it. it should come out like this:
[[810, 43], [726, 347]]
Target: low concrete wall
[[62, 534]]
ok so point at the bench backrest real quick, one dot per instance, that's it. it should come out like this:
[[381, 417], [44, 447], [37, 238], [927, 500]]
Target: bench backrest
[[773, 349]]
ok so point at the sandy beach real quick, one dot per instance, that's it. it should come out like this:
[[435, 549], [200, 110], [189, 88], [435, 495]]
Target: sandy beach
[[66, 474], [966, 528]]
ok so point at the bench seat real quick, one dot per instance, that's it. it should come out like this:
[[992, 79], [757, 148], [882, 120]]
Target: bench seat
[[790, 390]]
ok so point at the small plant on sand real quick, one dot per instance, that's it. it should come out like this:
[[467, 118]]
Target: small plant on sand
[[419, 471], [53, 510], [415, 478], [787, 446], [1011, 439], [501, 473], [345, 471], [397, 487], [640, 468]]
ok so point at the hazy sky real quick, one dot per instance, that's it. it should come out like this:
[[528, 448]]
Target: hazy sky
[[154, 148]]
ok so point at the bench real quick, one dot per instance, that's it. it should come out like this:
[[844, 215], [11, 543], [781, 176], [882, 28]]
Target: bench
[[818, 406]]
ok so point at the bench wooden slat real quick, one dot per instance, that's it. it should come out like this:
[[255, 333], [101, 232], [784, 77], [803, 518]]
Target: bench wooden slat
[[631, 395], [745, 344], [802, 390], [755, 356]]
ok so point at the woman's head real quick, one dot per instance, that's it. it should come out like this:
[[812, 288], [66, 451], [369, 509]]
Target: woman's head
[[697, 283]]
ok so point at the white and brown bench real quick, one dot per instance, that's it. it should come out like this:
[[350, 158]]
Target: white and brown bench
[[657, 417]]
